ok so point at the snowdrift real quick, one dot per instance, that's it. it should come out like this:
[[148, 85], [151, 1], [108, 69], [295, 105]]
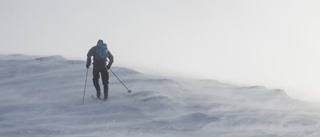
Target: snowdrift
[[42, 96]]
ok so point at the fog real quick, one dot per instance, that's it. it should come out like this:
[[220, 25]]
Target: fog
[[253, 42]]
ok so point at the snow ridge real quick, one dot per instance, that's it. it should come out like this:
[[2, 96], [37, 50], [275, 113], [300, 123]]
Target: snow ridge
[[42, 96]]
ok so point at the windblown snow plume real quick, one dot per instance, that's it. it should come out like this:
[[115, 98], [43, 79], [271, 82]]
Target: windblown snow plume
[[42, 96]]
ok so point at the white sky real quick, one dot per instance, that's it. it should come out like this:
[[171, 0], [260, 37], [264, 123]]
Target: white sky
[[273, 43]]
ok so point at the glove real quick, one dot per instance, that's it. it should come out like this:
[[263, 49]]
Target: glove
[[109, 66], [88, 66]]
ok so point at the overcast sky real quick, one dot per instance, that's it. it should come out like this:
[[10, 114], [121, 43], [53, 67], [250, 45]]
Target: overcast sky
[[273, 43]]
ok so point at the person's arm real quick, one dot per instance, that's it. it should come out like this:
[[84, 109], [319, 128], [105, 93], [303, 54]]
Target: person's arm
[[111, 59], [89, 55]]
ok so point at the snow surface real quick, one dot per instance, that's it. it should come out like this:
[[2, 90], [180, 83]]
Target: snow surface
[[42, 96]]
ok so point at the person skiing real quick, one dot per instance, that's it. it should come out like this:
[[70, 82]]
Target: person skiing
[[100, 54]]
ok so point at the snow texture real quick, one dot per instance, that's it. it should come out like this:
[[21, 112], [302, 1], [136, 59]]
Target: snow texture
[[42, 96]]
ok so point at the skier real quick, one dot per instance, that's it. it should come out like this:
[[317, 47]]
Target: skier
[[100, 54]]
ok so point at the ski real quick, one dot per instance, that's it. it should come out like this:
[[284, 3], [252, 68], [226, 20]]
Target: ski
[[104, 100]]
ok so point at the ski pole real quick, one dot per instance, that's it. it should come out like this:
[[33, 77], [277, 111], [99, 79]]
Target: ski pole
[[85, 85], [129, 91]]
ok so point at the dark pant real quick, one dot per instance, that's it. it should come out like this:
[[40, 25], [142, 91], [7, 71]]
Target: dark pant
[[97, 70]]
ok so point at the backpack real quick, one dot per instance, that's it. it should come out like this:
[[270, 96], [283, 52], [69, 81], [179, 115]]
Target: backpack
[[101, 52]]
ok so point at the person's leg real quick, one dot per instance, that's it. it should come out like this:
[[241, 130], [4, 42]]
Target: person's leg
[[105, 81], [96, 77]]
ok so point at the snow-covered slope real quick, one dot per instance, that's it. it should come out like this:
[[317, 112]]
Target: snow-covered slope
[[42, 96]]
